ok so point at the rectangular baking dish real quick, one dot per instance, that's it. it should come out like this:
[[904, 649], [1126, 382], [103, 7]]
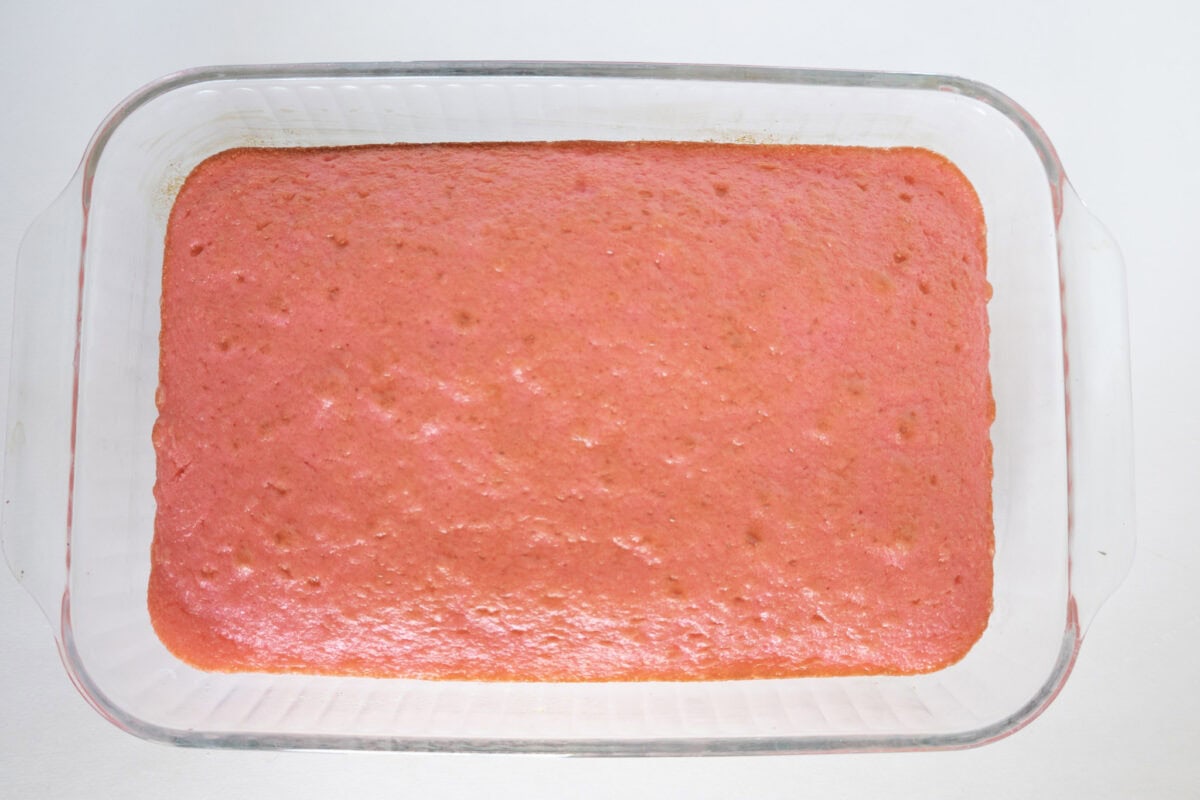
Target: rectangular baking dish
[[79, 464]]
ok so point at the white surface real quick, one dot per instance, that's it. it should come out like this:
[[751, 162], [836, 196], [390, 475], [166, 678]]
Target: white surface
[[1113, 85]]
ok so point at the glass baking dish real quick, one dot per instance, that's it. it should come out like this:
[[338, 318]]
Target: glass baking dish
[[78, 508]]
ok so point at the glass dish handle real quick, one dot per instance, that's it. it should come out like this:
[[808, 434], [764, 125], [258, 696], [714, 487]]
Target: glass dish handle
[[37, 451], [1099, 402]]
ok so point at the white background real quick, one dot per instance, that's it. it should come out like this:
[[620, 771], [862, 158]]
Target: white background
[[1115, 85]]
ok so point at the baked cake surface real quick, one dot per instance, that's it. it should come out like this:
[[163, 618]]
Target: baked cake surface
[[574, 411]]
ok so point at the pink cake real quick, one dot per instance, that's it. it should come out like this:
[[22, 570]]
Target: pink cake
[[574, 411]]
